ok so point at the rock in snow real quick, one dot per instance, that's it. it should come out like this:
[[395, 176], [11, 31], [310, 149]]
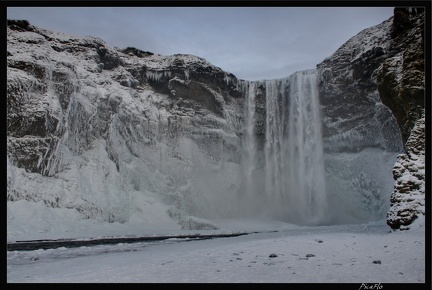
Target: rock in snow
[[108, 132]]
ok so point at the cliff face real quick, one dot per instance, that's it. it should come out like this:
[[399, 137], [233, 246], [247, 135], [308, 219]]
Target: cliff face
[[354, 116], [408, 197], [91, 127], [109, 132], [375, 77], [401, 78], [401, 83], [361, 137]]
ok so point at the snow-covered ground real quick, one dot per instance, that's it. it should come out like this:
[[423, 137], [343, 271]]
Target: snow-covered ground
[[280, 252]]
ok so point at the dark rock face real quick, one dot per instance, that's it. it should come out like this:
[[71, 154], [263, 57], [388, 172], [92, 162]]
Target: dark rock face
[[20, 25], [401, 83], [107, 59], [401, 77], [354, 117], [197, 92], [357, 127], [136, 51], [363, 91]]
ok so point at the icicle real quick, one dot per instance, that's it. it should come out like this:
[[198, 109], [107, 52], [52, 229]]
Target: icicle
[[227, 79], [157, 75]]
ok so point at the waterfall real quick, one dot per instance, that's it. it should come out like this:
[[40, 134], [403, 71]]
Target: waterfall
[[305, 170], [293, 169], [250, 140], [252, 191], [275, 157]]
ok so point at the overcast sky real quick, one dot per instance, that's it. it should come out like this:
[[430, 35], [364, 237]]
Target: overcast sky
[[253, 43]]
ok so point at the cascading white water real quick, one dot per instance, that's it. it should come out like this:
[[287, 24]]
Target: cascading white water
[[250, 202], [250, 149], [293, 170], [275, 155], [305, 169]]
